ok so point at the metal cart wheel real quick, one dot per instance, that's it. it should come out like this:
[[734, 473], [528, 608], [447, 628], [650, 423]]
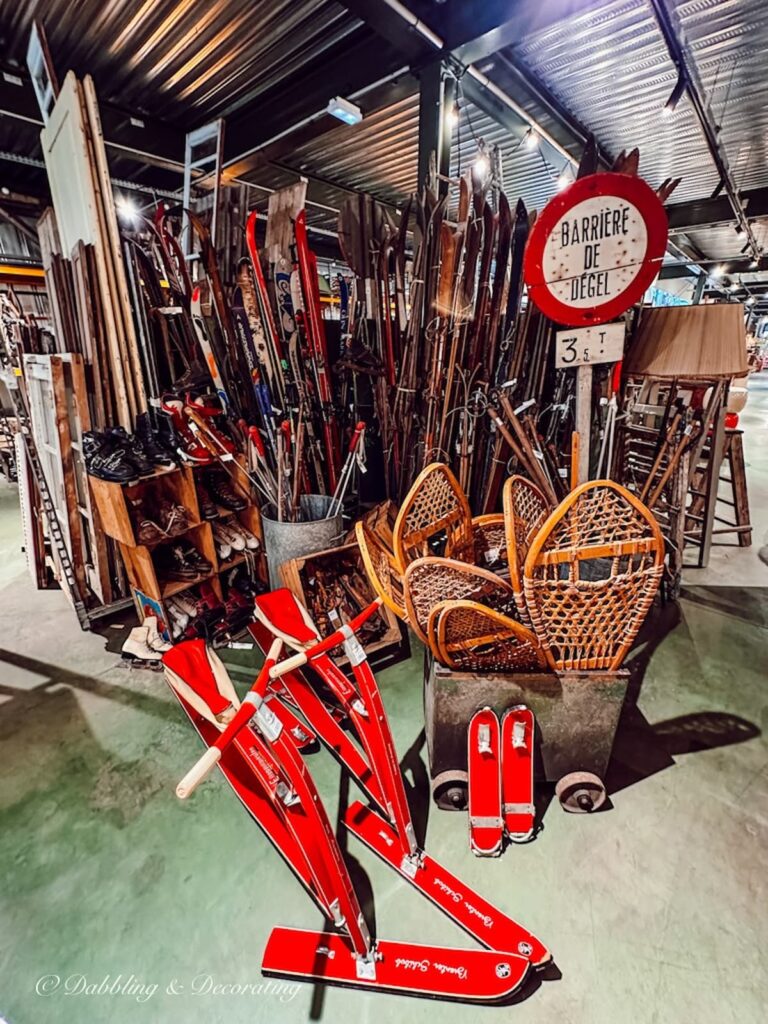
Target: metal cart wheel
[[581, 792], [450, 789]]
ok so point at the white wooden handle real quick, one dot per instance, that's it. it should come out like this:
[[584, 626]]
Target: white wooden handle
[[198, 772]]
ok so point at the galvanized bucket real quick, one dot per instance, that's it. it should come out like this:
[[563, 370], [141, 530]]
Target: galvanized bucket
[[284, 541]]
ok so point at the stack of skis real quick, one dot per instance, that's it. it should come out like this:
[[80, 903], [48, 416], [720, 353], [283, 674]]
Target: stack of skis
[[261, 346], [456, 367]]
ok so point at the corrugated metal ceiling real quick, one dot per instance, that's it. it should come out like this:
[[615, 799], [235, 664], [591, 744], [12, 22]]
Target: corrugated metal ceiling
[[179, 58], [605, 60]]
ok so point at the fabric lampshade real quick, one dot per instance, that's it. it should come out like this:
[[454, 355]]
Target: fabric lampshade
[[707, 341]]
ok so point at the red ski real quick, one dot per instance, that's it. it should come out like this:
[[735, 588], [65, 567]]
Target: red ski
[[517, 735], [486, 825], [407, 968], [466, 907]]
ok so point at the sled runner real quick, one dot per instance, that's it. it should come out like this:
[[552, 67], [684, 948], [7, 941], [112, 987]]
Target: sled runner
[[283, 797], [287, 619], [517, 736], [486, 825], [467, 975]]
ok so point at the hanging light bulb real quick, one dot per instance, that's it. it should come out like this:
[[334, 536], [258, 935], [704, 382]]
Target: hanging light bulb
[[717, 271], [454, 114], [532, 138], [750, 300], [126, 208], [563, 181], [481, 166]]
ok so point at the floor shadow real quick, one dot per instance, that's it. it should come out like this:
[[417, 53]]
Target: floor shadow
[[750, 604], [417, 787], [642, 749], [54, 675]]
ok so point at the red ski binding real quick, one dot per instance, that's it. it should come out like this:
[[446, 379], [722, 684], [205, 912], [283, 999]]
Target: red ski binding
[[486, 825], [517, 736]]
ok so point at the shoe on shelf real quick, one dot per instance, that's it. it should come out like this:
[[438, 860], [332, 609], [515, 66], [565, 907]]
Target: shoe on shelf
[[181, 562], [208, 406], [208, 510], [233, 535], [223, 493], [133, 449], [147, 530], [188, 447], [137, 648], [106, 462], [251, 541], [154, 449], [186, 603], [223, 547], [154, 640], [175, 518]]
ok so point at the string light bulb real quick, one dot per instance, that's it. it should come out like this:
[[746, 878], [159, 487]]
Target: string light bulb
[[563, 181], [532, 138], [454, 114], [126, 208], [481, 166]]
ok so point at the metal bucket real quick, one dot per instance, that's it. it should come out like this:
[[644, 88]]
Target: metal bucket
[[284, 541]]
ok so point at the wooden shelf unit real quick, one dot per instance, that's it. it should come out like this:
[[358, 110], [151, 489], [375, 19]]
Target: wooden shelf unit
[[141, 561]]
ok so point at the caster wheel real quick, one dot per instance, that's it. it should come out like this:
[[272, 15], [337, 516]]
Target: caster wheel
[[449, 790], [580, 792]]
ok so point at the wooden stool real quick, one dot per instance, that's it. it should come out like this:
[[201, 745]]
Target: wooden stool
[[733, 456]]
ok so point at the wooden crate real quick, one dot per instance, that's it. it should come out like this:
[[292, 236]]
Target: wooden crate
[[393, 646], [113, 500]]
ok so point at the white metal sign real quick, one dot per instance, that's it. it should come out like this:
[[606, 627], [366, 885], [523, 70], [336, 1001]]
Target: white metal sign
[[583, 346], [595, 251]]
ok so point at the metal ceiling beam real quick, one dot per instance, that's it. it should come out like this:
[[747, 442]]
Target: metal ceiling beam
[[317, 124], [419, 44], [351, 67], [684, 61], [145, 139], [731, 268], [709, 213]]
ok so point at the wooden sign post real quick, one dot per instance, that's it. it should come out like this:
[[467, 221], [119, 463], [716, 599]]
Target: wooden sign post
[[592, 253]]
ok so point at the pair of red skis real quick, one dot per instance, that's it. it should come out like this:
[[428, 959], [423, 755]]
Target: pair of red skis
[[500, 762], [257, 744]]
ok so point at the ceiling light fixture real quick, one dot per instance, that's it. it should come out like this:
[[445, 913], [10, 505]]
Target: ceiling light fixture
[[344, 110]]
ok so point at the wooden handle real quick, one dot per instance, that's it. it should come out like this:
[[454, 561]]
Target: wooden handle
[[198, 773]]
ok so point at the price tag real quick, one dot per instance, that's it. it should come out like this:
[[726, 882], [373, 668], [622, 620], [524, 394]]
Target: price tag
[[583, 346]]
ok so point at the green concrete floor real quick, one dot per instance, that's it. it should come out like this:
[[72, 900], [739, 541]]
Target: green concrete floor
[[655, 910]]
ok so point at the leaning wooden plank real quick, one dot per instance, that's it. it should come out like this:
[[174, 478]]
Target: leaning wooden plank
[[101, 353], [85, 307], [112, 243], [65, 150], [100, 580], [111, 297], [61, 413]]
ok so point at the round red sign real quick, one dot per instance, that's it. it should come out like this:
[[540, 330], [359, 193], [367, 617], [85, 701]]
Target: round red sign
[[595, 249]]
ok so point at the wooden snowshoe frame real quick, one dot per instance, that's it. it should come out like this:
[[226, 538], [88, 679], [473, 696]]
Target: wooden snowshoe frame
[[430, 581], [584, 623], [525, 512], [382, 570], [436, 507], [472, 637]]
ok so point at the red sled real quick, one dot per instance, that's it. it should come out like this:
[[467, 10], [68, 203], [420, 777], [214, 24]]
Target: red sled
[[486, 825], [517, 736]]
